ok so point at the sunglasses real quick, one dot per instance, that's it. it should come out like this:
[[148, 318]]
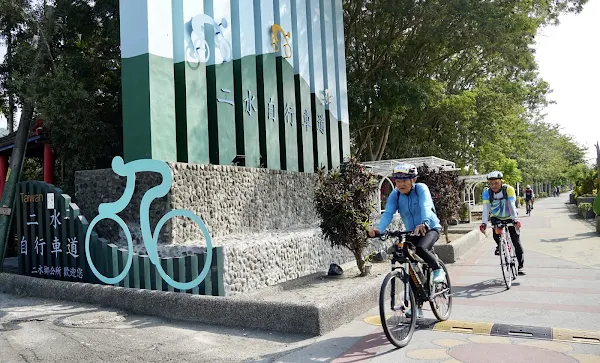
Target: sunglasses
[[402, 177]]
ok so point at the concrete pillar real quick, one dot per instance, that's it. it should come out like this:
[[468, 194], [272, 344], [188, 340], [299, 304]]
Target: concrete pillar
[[317, 85], [302, 82], [286, 95], [148, 85], [48, 164], [3, 171]]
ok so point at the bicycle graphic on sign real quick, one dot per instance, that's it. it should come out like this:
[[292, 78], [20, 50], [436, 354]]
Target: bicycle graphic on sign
[[150, 239]]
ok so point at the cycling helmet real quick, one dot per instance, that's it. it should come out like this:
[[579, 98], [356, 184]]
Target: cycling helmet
[[405, 171], [528, 186], [494, 175]]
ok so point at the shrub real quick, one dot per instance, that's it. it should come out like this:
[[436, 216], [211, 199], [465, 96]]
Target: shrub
[[597, 205], [445, 189], [464, 211], [584, 208], [344, 200]]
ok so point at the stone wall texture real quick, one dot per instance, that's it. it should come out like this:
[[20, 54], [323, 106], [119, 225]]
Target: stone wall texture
[[265, 219]]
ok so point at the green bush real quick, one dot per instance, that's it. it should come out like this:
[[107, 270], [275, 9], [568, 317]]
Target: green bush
[[463, 212], [520, 201], [344, 200]]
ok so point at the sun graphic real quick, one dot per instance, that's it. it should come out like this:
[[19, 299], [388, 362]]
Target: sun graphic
[[493, 349]]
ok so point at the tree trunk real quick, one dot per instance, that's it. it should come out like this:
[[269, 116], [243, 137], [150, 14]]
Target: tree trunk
[[598, 162], [18, 155], [445, 231], [383, 142], [360, 263], [11, 96]]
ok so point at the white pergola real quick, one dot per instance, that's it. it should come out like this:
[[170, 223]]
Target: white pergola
[[471, 181], [385, 168]]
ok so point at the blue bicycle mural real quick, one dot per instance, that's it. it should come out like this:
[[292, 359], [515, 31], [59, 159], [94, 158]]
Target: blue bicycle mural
[[149, 237]]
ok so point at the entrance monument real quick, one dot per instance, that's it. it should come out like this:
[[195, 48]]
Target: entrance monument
[[240, 101]]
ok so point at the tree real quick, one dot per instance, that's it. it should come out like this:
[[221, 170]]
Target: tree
[[404, 57], [344, 201], [77, 89], [445, 188]]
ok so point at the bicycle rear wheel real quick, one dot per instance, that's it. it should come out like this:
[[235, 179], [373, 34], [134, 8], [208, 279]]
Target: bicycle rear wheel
[[441, 305], [505, 263], [398, 328]]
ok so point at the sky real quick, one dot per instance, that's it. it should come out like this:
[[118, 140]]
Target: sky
[[568, 56]]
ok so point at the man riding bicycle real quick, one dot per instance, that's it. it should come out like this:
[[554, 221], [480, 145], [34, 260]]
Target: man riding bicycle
[[529, 195], [499, 202], [413, 201]]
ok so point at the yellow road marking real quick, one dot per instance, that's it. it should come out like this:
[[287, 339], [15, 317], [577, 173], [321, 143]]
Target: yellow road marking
[[576, 336], [464, 327]]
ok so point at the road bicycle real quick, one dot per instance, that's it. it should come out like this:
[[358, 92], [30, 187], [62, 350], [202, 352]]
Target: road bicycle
[[150, 239], [409, 284], [508, 256]]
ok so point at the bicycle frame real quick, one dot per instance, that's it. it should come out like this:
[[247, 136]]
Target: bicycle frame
[[415, 278]]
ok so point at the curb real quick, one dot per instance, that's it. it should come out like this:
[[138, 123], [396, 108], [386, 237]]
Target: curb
[[288, 317], [451, 252], [242, 312]]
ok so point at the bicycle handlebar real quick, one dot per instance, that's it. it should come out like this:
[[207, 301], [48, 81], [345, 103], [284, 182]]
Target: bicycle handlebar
[[386, 234]]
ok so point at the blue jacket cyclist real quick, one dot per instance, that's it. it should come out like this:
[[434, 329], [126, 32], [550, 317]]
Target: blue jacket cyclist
[[413, 201]]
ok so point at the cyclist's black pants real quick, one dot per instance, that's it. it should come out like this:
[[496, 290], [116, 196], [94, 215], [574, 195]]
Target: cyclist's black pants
[[424, 244], [514, 236]]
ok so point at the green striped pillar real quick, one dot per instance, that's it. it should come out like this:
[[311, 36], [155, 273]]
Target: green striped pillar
[[246, 92], [313, 18], [330, 83], [219, 76], [266, 77], [302, 86], [340, 64], [190, 84], [148, 85], [288, 135]]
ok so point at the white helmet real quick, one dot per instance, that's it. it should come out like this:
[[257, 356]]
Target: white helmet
[[528, 186], [405, 171], [494, 175]]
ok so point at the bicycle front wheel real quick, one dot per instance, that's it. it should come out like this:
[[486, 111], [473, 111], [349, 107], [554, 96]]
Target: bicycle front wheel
[[513, 261], [153, 249], [441, 303], [505, 263], [98, 274], [398, 319]]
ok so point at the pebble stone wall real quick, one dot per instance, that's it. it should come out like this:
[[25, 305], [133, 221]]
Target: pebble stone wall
[[264, 219]]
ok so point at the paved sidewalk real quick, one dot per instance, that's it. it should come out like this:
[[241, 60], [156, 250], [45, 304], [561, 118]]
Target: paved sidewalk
[[560, 294]]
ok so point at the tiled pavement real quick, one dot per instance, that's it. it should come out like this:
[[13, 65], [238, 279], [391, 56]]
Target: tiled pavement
[[560, 295]]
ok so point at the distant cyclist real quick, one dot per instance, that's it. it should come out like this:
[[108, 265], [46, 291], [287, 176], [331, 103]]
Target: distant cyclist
[[529, 195], [499, 202]]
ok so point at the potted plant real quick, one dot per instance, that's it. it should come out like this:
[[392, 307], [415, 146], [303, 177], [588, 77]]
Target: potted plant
[[369, 262], [586, 210]]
